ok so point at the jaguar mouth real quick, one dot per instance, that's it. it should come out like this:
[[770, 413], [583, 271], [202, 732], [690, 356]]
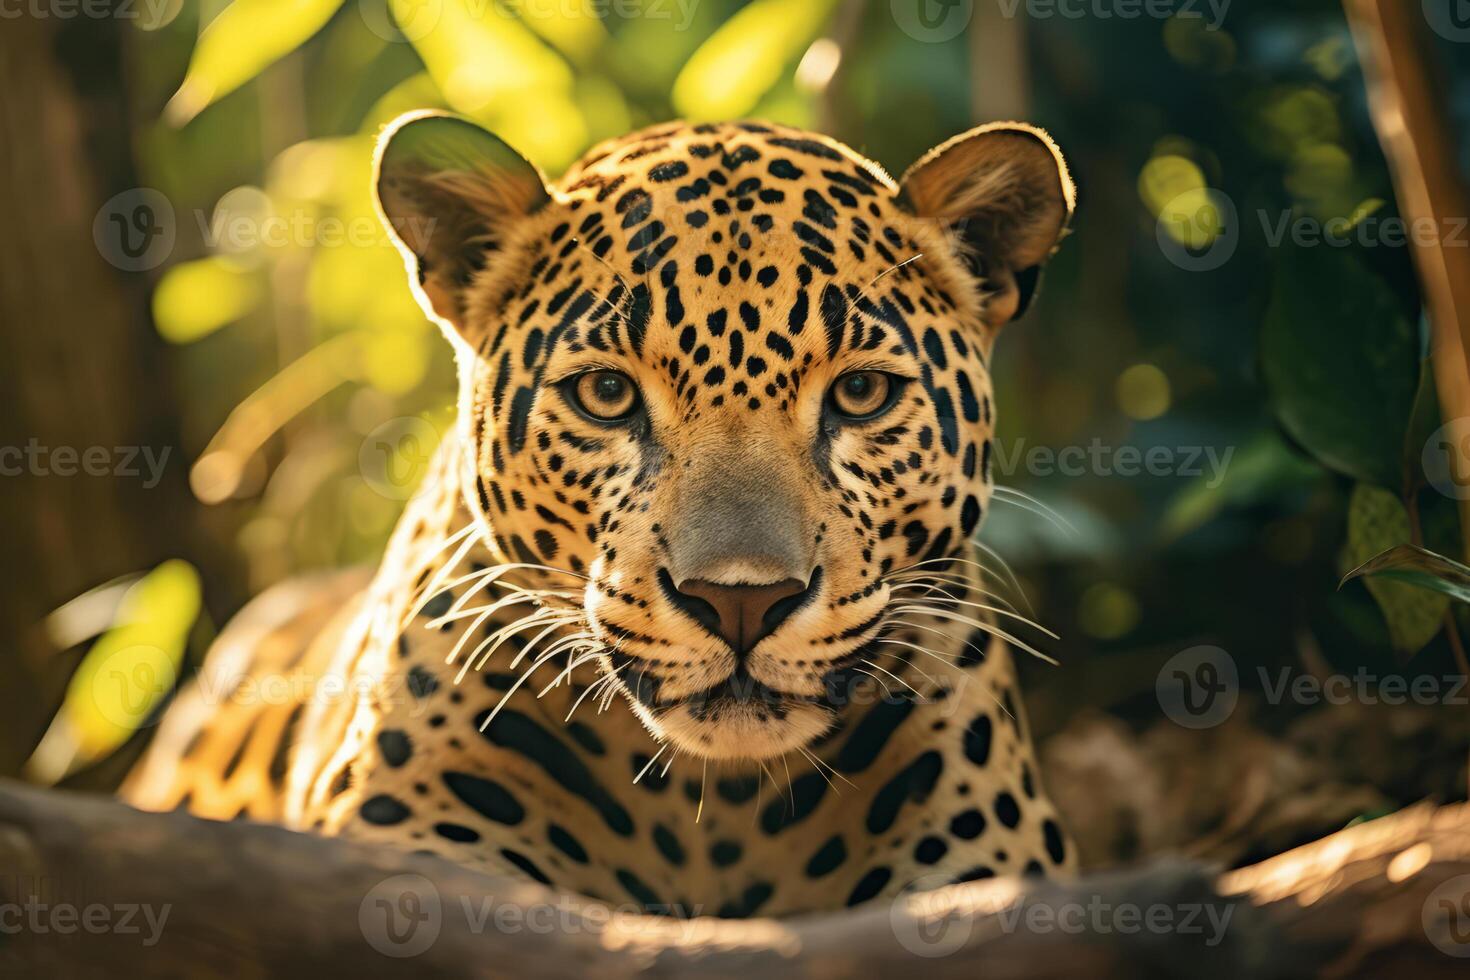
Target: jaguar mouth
[[755, 698], [739, 689], [741, 719]]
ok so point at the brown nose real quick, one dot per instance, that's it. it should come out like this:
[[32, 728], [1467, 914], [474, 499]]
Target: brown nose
[[741, 615]]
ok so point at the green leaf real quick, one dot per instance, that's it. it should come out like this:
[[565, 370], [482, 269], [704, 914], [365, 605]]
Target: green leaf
[[1341, 362], [124, 675], [1418, 567], [745, 58], [239, 44], [1377, 522]]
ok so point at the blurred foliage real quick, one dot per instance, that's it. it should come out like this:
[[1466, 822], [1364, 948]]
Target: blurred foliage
[[1279, 375], [126, 673], [1341, 362], [1378, 522]]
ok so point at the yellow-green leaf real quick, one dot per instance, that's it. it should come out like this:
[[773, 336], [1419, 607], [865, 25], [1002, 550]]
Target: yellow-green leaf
[[741, 61], [493, 69], [194, 299], [1377, 522], [124, 675], [574, 29], [243, 40]]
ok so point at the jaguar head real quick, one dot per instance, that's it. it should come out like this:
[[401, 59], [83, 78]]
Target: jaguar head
[[729, 380]]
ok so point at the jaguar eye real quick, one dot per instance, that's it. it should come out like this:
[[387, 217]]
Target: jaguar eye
[[861, 395], [607, 396]]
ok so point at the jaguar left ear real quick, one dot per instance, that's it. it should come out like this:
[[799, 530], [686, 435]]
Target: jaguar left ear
[[1003, 197], [452, 194]]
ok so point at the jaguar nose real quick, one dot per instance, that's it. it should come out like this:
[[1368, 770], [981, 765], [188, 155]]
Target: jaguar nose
[[741, 615]]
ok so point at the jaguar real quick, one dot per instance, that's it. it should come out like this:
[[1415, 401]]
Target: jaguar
[[688, 611]]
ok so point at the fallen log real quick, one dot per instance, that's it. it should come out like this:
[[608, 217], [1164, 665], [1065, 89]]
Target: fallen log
[[91, 887]]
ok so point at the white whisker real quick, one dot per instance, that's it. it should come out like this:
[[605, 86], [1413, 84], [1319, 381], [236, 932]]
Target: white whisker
[[433, 587], [920, 605], [525, 675], [930, 589], [984, 627], [935, 631], [912, 258], [650, 763], [887, 693], [1026, 502], [819, 765], [1005, 566], [893, 675]]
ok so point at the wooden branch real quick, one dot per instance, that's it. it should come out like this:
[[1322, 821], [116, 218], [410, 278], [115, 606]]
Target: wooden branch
[[247, 900], [1394, 45]]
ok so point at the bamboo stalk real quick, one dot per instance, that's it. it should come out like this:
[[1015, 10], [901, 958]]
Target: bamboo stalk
[[1394, 46]]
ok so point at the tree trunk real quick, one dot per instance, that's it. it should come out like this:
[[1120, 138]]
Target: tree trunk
[[87, 395]]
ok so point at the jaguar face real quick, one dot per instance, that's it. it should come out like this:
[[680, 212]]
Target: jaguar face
[[723, 387]]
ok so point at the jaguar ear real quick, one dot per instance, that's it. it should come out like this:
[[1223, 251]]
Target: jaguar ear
[[1003, 197], [451, 193]]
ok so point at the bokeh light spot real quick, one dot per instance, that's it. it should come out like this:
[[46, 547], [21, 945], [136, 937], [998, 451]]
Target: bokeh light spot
[[1107, 611], [1143, 392]]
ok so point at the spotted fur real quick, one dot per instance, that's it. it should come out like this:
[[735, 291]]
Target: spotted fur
[[527, 691]]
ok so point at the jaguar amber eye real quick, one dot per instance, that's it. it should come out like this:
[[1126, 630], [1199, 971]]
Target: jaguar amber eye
[[605, 395], [862, 394]]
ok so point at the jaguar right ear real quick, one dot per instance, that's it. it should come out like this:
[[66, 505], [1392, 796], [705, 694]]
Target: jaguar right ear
[[1003, 193], [451, 193]]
